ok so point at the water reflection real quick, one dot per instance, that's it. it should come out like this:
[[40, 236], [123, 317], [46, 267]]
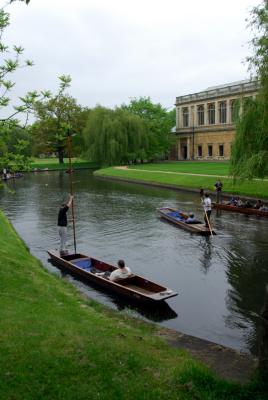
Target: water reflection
[[157, 313], [247, 275], [220, 279], [206, 253]]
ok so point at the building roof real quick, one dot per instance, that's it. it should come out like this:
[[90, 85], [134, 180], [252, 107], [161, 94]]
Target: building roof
[[229, 84], [213, 92]]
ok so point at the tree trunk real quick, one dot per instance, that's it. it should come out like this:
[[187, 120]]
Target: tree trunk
[[263, 342], [60, 155]]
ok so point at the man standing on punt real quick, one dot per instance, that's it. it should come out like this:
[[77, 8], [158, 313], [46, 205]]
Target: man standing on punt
[[207, 208], [62, 224]]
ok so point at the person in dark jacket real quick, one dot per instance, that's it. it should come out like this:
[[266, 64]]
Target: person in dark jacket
[[62, 224], [218, 187]]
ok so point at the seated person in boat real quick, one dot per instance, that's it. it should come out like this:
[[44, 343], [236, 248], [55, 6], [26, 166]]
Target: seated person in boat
[[248, 204], [191, 219], [240, 203], [232, 202], [263, 208], [120, 273], [258, 204]]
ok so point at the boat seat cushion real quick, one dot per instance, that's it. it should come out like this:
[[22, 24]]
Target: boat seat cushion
[[176, 215], [84, 263]]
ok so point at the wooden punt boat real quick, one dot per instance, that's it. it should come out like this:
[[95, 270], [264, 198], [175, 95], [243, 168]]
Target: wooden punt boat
[[135, 287], [172, 215], [248, 211]]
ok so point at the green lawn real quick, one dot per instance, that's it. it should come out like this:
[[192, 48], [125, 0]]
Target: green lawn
[[194, 167], [53, 163], [56, 344], [172, 174]]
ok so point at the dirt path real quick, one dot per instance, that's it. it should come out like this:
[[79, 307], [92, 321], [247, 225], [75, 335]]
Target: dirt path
[[125, 168]]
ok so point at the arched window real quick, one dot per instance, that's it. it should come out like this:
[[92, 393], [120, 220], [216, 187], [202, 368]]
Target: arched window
[[185, 116], [201, 115], [211, 113], [222, 112]]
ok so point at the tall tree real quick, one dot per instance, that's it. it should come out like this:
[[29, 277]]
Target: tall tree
[[55, 117], [10, 61], [115, 136], [249, 157], [158, 122]]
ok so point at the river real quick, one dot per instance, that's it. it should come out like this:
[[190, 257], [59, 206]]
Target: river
[[220, 279]]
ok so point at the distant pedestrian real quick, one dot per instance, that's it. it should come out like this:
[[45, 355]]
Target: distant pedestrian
[[218, 187], [207, 208], [62, 224]]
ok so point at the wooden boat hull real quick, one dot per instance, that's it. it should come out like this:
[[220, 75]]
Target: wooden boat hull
[[198, 228], [134, 287], [248, 211]]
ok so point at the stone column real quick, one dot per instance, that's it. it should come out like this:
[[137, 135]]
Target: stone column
[[206, 114], [228, 111], [178, 119], [216, 112], [188, 148], [179, 149], [193, 116]]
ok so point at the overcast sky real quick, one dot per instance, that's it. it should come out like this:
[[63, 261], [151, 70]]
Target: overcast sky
[[118, 49]]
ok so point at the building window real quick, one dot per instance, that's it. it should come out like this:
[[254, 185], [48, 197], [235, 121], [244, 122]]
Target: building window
[[210, 150], [185, 116], [222, 112], [211, 113], [199, 151], [201, 115], [235, 104], [221, 150]]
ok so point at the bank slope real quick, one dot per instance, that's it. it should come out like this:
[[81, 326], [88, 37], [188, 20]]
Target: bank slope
[[184, 180], [55, 344]]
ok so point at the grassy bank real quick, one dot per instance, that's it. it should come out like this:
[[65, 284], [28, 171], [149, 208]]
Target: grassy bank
[[191, 167], [179, 175], [53, 164], [55, 344]]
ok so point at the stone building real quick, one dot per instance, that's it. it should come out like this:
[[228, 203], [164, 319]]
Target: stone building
[[205, 121]]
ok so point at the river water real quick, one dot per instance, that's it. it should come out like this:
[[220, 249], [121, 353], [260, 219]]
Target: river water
[[220, 279]]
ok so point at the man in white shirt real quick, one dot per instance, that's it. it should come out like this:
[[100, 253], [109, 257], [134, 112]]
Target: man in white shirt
[[207, 207], [121, 272]]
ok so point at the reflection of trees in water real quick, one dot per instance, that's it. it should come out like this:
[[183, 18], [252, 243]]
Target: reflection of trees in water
[[206, 247], [247, 274]]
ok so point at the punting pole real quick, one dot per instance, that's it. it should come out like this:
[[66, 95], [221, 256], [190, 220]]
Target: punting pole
[[69, 141], [211, 232]]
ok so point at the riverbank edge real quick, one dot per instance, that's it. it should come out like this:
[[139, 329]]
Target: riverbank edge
[[225, 362], [225, 195]]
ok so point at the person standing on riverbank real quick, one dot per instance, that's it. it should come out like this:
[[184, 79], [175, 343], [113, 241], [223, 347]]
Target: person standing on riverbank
[[207, 208], [218, 187], [62, 224]]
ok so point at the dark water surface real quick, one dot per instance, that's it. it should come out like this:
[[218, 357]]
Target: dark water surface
[[220, 280]]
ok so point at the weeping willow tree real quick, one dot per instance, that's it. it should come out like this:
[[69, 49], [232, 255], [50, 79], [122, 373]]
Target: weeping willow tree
[[115, 136], [249, 156]]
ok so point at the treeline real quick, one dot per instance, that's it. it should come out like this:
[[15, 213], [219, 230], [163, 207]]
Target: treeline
[[138, 131]]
